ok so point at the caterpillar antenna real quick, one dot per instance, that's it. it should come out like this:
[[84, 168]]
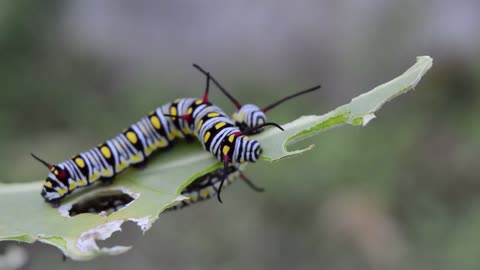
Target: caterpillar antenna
[[276, 103]]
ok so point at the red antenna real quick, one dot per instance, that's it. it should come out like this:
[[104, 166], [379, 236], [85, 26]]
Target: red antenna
[[48, 165], [232, 99], [275, 104]]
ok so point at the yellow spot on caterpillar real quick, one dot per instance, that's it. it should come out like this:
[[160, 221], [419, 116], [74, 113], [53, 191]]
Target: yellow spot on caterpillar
[[149, 149], [173, 110], [213, 114], [106, 172], [132, 137], [155, 122], [242, 116], [136, 158], [220, 125], [60, 191], [82, 182], [152, 147], [106, 152], [122, 165], [231, 138], [48, 184], [176, 133], [207, 136], [52, 169], [190, 110], [161, 143], [186, 130], [94, 177], [80, 162], [200, 125], [205, 193], [225, 150], [72, 185], [246, 138], [235, 116], [198, 102], [55, 172], [176, 100]]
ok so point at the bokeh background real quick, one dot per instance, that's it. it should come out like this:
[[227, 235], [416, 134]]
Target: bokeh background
[[402, 193]]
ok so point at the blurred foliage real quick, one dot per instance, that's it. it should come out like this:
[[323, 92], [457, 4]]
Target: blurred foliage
[[404, 196]]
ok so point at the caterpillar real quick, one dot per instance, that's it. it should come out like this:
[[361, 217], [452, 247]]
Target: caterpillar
[[247, 117], [175, 120], [208, 186]]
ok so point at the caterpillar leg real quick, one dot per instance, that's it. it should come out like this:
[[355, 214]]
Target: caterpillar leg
[[55, 203], [107, 181], [250, 183], [190, 139], [226, 160], [141, 166]]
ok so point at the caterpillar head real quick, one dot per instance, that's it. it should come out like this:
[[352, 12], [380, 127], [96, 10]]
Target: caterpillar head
[[54, 187], [248, 117]]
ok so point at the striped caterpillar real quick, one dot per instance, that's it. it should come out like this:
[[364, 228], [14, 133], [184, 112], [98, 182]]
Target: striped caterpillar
[[175, 120], [207, 186], [178, 119], [247, 117]]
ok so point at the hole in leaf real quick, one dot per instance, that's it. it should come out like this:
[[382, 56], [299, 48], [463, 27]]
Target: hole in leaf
[[105, 202]]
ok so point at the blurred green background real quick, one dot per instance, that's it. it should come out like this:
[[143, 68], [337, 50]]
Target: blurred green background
[[402, 193]]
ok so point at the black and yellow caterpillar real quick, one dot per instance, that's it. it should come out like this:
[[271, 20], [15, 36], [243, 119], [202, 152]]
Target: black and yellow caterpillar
[[247, 118], [208, 185], [175, 120]]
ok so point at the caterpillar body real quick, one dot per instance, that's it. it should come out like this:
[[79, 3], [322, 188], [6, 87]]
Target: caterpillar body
[[207, 122], [249, 118], [224, 138], [208, 186]]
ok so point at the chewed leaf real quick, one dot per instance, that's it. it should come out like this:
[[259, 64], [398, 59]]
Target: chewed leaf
[[360, 111], [141, 195]]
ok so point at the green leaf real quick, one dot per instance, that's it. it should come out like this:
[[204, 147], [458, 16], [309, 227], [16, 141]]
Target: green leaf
[[26, 218]]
